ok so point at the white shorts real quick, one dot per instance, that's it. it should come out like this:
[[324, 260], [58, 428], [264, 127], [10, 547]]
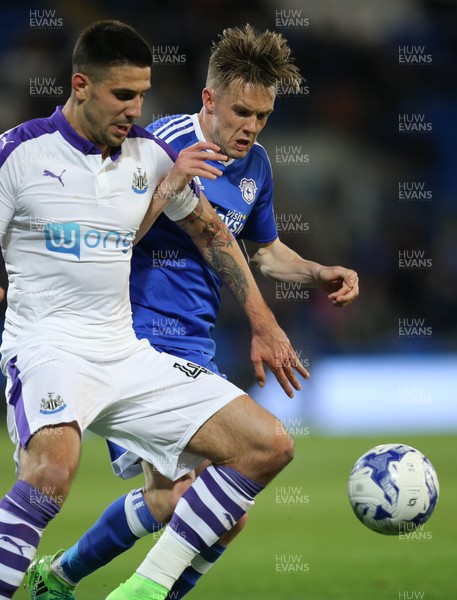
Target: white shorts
[[150, 403]]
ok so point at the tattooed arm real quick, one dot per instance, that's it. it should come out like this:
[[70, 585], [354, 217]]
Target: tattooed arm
[[190, 162], [221, 251]]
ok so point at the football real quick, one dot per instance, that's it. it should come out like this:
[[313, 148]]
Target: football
[[393, 489]]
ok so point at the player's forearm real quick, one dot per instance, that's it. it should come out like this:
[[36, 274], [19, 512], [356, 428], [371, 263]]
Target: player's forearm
[[231, 267], [286, 265], [220, 250]]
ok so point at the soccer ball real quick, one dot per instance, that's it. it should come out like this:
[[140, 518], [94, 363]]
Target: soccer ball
[[393, 488]]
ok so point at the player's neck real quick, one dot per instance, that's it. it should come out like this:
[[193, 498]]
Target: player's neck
[[72, 114], [202, 117]]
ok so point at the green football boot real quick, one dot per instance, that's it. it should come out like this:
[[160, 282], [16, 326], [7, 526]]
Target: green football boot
[[44, 584], [138, 587]]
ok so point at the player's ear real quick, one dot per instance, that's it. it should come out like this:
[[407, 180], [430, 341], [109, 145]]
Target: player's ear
[[208, 99], [79, 83]]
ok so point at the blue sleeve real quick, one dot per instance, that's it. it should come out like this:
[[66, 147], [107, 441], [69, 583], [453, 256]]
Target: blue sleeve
[[152, 127], [156, 125], [260, 225]]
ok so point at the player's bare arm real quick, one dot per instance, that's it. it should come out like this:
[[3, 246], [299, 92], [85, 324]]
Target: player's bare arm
[[191, 162], [280, 263], [219, 248]]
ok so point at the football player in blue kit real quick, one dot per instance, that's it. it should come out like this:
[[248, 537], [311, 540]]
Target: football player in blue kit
[[175, 295]]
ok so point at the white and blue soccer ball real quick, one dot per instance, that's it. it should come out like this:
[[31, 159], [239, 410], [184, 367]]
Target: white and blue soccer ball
[[393, 489]]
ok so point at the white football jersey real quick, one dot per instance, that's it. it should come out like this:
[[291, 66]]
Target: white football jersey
[[67, 221]]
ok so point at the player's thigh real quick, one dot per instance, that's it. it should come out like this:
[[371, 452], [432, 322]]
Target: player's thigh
[[240, 428], [52, 395], [164, 400]]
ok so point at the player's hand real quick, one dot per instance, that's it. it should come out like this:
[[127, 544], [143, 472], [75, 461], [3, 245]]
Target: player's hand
[[272, 346], [343, 284], [192, 162]]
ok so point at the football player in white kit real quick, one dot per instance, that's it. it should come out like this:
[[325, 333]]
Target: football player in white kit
[[75, 193]]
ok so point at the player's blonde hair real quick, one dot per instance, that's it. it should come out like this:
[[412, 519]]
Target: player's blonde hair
[[261, 59]]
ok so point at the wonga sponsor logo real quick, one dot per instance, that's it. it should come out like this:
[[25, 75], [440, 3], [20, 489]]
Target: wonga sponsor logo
[[67, 239], [63, 237]]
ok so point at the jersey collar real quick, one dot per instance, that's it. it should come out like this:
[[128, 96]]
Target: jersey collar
[[72, 137]]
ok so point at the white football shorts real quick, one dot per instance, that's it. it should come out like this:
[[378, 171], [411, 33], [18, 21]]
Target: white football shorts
[[151, 403]]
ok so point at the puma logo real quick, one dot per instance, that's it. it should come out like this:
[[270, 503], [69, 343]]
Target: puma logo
[[229, 518], [7, 538], [4, 141], [47, 173]]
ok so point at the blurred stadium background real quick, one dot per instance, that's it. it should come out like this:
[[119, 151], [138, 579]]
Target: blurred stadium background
[[364, 165]]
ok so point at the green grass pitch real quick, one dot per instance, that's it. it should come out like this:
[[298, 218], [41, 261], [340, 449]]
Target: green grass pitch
[[302, 541]]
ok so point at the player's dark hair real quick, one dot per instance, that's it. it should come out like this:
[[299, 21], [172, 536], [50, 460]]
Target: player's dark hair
[[107, 44], [261, 59]]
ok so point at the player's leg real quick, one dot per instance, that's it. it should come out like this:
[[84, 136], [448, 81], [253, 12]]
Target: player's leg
[[203, 562], [124, 522], [242, 442], [47, 436], [162, 496], [172, 414], [133, 515], [248, 447], [46, 427], [129, 518], [47, 468]]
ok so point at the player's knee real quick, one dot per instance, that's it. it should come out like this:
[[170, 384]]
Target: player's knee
[[50, 464], [269, 454], [281, 451], [267, 463], [52, 478]]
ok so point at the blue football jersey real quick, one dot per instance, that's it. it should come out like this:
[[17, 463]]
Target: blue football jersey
[[175, 295]]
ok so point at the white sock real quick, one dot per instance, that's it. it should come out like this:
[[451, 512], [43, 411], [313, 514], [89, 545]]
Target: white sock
[[168, 551]]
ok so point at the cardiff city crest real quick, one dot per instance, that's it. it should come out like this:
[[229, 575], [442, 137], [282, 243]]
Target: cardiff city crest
[[248, 190]]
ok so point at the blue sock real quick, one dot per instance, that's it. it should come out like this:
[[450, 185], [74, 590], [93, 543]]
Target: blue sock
[[123, 523], [200, 565]]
